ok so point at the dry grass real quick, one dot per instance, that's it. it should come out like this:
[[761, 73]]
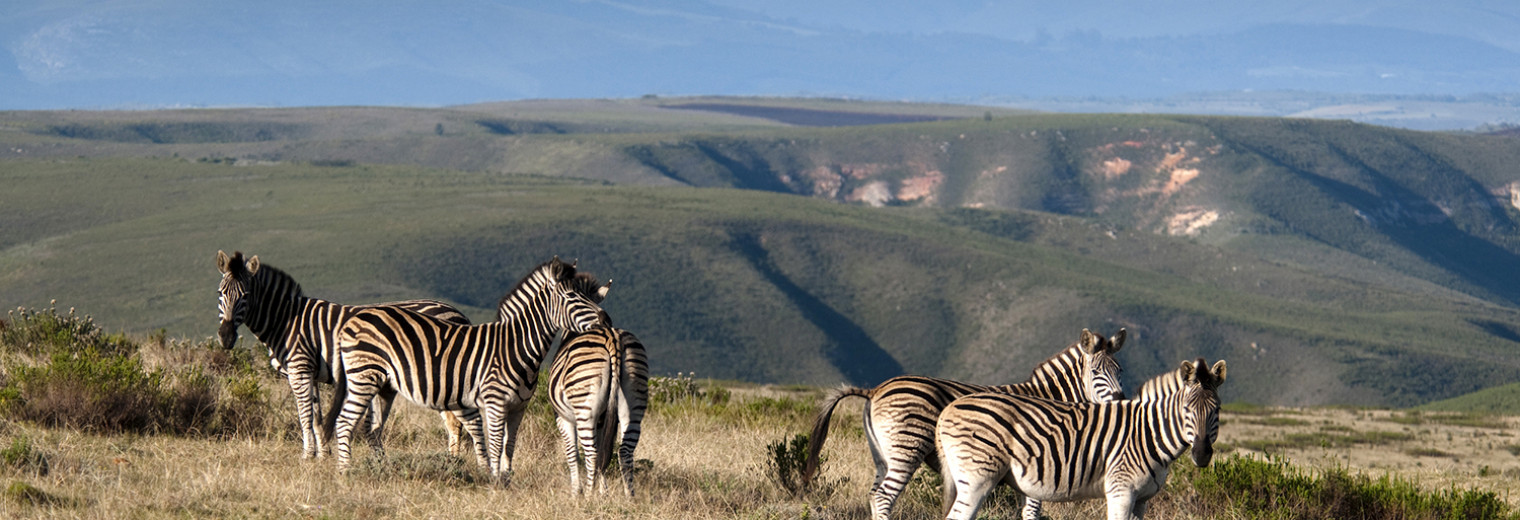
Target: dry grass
[[704, 461]]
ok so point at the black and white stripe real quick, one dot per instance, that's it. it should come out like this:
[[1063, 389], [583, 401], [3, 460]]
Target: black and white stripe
[[900, 413], [1060, 451], [599, 386], [300, 333], [487, 372]]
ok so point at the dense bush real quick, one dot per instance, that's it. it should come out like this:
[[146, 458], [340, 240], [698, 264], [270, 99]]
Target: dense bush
[[61, 370], [1242, 487]]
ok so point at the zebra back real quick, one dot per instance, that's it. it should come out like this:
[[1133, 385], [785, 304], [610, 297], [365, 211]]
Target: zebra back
[[1055, 450]]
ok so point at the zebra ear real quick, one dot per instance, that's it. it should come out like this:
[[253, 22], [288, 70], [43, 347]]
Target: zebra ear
[[222, 262], [1218, 372], [1089, 342], [1117, 341], [253, 265], [601, 293], [1188, 371]]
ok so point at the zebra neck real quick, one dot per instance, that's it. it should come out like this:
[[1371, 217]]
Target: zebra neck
[[279, 303], [528, 343], [1163, 417], [1057, 378]]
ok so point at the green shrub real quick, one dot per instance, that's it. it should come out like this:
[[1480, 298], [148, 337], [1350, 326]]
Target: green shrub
[[70, 374], [23, 493], [784, 463], [1242, 487], [23, 456], [43, 333], [683, 388]]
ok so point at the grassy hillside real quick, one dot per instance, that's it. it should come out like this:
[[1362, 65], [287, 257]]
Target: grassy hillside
[[739, 284]]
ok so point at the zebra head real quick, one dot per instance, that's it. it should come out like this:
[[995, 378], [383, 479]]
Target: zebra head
[[572, 298], [1102, 377], [587, 285], [234, 293], [1200, 407]]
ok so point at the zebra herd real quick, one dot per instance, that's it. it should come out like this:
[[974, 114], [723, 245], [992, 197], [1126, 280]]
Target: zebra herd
[[1068, 433], [480, 376]]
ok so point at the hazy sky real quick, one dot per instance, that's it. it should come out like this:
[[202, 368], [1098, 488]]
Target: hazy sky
[[147, 53]]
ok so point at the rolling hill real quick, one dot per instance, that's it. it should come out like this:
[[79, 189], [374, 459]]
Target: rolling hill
[[1329, 262]]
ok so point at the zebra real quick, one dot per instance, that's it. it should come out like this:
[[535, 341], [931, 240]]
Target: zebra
[[487, 372], [299, 332], [599, 386], [587, 285], [1052, 450], [900, 413]]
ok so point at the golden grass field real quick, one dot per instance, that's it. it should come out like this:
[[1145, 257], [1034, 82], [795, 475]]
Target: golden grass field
[[704, 461]]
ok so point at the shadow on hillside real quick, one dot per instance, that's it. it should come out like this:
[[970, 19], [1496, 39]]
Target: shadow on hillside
[[1485, 267], [862, 361]]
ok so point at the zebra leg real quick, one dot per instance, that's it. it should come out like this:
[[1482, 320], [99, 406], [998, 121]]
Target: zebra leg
[[470, 418], [567, 438], [627, 440], [380, 412], [969, 491], [899, 468], [495, 429], [585, 431], [455, 428], [361, 390], [1032, 508], [1139, 509], [306, 412], [1121, 503], [509, 445]]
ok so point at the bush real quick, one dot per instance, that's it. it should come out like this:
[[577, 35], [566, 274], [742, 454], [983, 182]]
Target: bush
[[1241, 487], [683, 388], [64, 372], [785, 461]]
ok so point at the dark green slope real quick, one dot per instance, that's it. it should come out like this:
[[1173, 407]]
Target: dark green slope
[[742, 284]]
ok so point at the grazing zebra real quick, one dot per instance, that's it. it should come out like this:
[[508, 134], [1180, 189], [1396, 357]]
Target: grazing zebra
[[599, 385], [487, 372], [900, 413], [1053, 450], [299, 332]]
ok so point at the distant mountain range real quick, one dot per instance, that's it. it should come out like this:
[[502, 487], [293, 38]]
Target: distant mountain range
[[107, 54]]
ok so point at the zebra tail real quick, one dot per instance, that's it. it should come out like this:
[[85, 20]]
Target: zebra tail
[[820, 431], [605, 442], [339, 394]]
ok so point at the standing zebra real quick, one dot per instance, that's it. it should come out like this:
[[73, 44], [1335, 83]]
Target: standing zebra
[[1053, 450], [900, 413], [486, 371], [599, 385], [299, 332], [587, 285]]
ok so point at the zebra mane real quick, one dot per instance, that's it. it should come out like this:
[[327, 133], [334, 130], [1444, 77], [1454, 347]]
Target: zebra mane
[[1163, 385], [588, 286], [274, 277], [553, 270]]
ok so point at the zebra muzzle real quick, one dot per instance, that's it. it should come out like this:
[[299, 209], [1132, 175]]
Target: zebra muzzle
[[228, 333]]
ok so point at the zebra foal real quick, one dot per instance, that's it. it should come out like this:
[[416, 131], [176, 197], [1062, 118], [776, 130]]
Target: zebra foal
[[486, 372], [1060, 451], [599, 386], [300, 333], [900, 413]]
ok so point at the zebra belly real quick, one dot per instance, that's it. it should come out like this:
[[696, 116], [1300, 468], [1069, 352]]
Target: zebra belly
[[1047, 491]]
